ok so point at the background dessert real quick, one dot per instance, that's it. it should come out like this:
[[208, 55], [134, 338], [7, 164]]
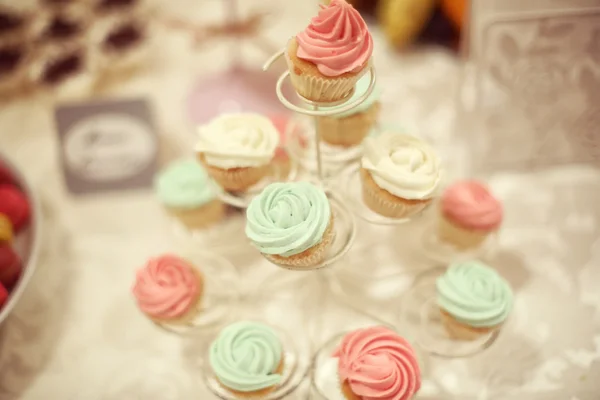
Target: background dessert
[[331, 54], [350, 127], [184, 188], [15, 206], [400, 174], [168, 289], [474, 300], [291, 224], [469, 213], [237, 149], [247, 359], [377, 363]]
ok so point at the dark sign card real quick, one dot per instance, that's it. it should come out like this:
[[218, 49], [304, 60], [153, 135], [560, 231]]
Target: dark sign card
[[107, 145]]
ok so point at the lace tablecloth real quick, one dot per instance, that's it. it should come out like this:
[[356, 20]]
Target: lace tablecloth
[[76, 333]]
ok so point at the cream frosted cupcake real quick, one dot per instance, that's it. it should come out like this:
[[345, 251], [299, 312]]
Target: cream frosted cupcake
[[351, 127], [184, 189], [474, 300], [168, 289], [331, 54], [291, 224], [237, 149], [247, 359], [376, 363], [469, 214], [400, 174]]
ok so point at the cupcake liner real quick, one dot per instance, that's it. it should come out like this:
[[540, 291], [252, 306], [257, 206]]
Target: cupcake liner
[[200, 217], [235, 179], [460, 331], [460, 238], [309, 257], [386, 204], [191, 314], [348, 131], [347, 392], [257, 394], [319, 88]]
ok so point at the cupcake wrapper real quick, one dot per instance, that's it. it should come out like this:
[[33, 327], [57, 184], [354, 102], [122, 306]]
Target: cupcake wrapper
[[459, 331], [459, 237], [200, 217], [347, 392], [348, 131], [257, 394], [236, 179], [188, 317], [310, 257], [318, 89], [384, 203]]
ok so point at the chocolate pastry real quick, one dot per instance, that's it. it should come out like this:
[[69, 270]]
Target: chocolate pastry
[[123, 37], [61, 28], [112, 4], [10, 57], [10, 22], [61, 68]]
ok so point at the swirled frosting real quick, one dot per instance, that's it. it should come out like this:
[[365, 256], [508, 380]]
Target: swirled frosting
[[403, 165], [474, 294], [184, 184], [470, 204], [337, 40], [246, 355], [378, 364], [167, 287], [238, 140], [287, 218]]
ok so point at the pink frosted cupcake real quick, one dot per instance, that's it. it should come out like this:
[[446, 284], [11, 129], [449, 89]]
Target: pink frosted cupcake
[[377, 363], [469, 214], [169, 290], [331, 54]]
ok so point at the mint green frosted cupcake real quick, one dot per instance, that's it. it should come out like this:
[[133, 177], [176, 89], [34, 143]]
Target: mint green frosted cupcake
[[474, 300], [184, 188], [351, 127], [247, 359], [291, 224]]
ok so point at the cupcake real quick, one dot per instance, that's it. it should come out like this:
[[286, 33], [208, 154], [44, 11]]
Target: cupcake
[[377, 363], [237, 149], [185, 190], [6, 230], [469, 214], [331, 54], [474, 300], [15, 206], [350, 127], [400, 174], [291, 224], [247, 359], [10, 266], [169, 290]]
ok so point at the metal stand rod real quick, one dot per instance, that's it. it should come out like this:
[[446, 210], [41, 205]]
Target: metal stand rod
[[233, 16], [318, 146]]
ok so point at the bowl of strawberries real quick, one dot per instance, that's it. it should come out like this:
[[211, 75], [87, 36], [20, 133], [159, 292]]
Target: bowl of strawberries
[[19, 235]]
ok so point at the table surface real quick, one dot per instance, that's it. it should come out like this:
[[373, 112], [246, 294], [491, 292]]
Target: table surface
[[76, 333]]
